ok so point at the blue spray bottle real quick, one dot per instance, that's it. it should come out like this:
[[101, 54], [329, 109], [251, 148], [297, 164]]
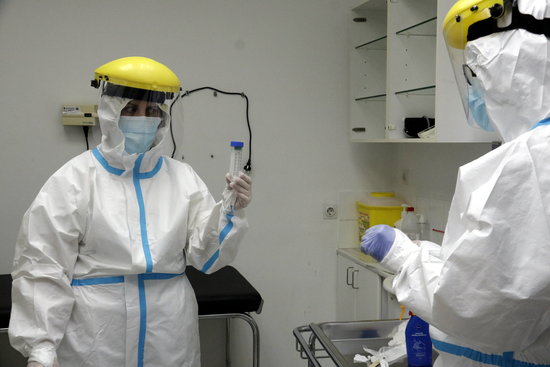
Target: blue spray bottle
[[419, 343]]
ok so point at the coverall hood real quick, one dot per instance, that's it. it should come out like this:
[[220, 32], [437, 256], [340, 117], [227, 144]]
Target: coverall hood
[[513, 68], [112, 139]]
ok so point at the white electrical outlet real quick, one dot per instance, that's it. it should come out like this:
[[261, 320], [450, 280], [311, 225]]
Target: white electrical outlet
[[330, 211]]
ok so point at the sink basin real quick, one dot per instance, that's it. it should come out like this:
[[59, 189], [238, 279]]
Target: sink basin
[[343, 340]]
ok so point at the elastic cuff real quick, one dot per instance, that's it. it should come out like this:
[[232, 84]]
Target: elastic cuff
[[43, 355], [400, 251]]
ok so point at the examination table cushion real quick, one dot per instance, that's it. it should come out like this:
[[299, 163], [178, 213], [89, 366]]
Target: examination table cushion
[[5, 300], [225, 291]]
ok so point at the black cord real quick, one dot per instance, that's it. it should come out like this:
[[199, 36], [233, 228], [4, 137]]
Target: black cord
[[86, 128], [171, 130], [248, 165]]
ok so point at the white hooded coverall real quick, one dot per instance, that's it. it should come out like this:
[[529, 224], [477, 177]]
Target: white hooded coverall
[[486, 291], [98, 276]]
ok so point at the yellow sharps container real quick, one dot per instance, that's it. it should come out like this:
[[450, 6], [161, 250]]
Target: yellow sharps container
[[378, 208]]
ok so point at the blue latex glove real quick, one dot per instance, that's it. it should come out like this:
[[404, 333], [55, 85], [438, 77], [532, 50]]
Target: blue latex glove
[[377, 241]]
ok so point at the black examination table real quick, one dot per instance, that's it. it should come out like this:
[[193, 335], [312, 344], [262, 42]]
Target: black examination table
[[225, 294]]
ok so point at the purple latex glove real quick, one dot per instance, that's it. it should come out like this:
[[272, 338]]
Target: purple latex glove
[[377, 241]]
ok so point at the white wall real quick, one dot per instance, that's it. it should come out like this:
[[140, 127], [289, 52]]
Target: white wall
[[288, 56], [425, 176]]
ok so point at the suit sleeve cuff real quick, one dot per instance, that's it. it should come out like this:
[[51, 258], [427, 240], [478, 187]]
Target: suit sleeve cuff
[[44, 354], [400, 251]]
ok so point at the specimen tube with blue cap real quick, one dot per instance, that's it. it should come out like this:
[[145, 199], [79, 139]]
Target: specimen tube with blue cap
[[236, 163]]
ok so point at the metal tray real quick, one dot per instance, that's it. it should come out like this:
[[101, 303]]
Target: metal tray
[[341, 341]]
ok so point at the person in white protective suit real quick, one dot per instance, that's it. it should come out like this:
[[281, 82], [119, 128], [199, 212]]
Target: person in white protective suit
[[486, 290], [99, 270]]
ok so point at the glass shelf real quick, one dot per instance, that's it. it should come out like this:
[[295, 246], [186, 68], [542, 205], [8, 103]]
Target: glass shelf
[[422, 91], [425, 28], [373, 98], [377, 44]]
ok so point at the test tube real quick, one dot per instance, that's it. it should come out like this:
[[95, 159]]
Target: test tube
[[236, 163]]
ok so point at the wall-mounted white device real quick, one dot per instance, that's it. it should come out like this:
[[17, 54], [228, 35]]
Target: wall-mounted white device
[[79, 115]]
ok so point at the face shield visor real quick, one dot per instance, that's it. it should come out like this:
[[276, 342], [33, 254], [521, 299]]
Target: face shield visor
[[466, 21], [141, 102], [139, 79]]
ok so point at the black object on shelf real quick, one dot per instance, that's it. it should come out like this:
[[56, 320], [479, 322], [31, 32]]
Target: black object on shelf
[[415, 125]]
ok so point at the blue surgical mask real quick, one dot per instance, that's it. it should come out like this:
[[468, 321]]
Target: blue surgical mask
[[476, 104], [139, 132]]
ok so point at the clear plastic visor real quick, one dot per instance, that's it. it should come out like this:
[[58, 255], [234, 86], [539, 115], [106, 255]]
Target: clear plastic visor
[[471, 93]]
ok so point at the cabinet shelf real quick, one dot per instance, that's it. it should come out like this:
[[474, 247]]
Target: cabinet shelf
[[373, 98], [377, 44], [422, 91], [426, 28]]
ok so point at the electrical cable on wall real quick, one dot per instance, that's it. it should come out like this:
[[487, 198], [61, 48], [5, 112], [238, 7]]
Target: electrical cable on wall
[[86, 129], [248, 165]]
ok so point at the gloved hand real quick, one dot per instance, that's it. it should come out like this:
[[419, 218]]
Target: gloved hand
[[242, 186], [377, 241]]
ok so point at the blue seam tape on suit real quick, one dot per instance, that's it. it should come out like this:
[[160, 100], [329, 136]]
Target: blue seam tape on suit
[[97, 281], [146, 251], [142, 217], [546, 121], [160, 276], [142, 320], [117, 171], [153, 172], [225, 231], [120, 279], [504, 360], [105, 164]]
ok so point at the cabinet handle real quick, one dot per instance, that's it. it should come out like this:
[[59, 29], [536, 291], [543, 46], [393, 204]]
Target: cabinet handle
[[347, 275], [353, 279], [358, 129]]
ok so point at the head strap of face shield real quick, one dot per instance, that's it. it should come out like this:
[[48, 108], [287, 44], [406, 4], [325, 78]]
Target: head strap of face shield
[[115, 90], [519, 21]]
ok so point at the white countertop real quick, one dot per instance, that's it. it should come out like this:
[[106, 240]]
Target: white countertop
[[355, 255]]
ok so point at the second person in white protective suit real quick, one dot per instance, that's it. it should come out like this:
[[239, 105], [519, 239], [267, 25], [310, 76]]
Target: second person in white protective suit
[[99, 270], [486, 290]]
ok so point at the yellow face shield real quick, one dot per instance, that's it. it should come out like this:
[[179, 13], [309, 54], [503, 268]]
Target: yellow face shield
[[137, 78], [466, 13]]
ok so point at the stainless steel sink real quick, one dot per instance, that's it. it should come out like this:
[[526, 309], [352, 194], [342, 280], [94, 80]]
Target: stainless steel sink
[[341, 341]]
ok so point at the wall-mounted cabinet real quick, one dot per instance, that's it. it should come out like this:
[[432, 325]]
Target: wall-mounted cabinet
[[399, 68]]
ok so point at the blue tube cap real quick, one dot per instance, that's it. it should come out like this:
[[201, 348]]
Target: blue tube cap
[[237, 144]]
